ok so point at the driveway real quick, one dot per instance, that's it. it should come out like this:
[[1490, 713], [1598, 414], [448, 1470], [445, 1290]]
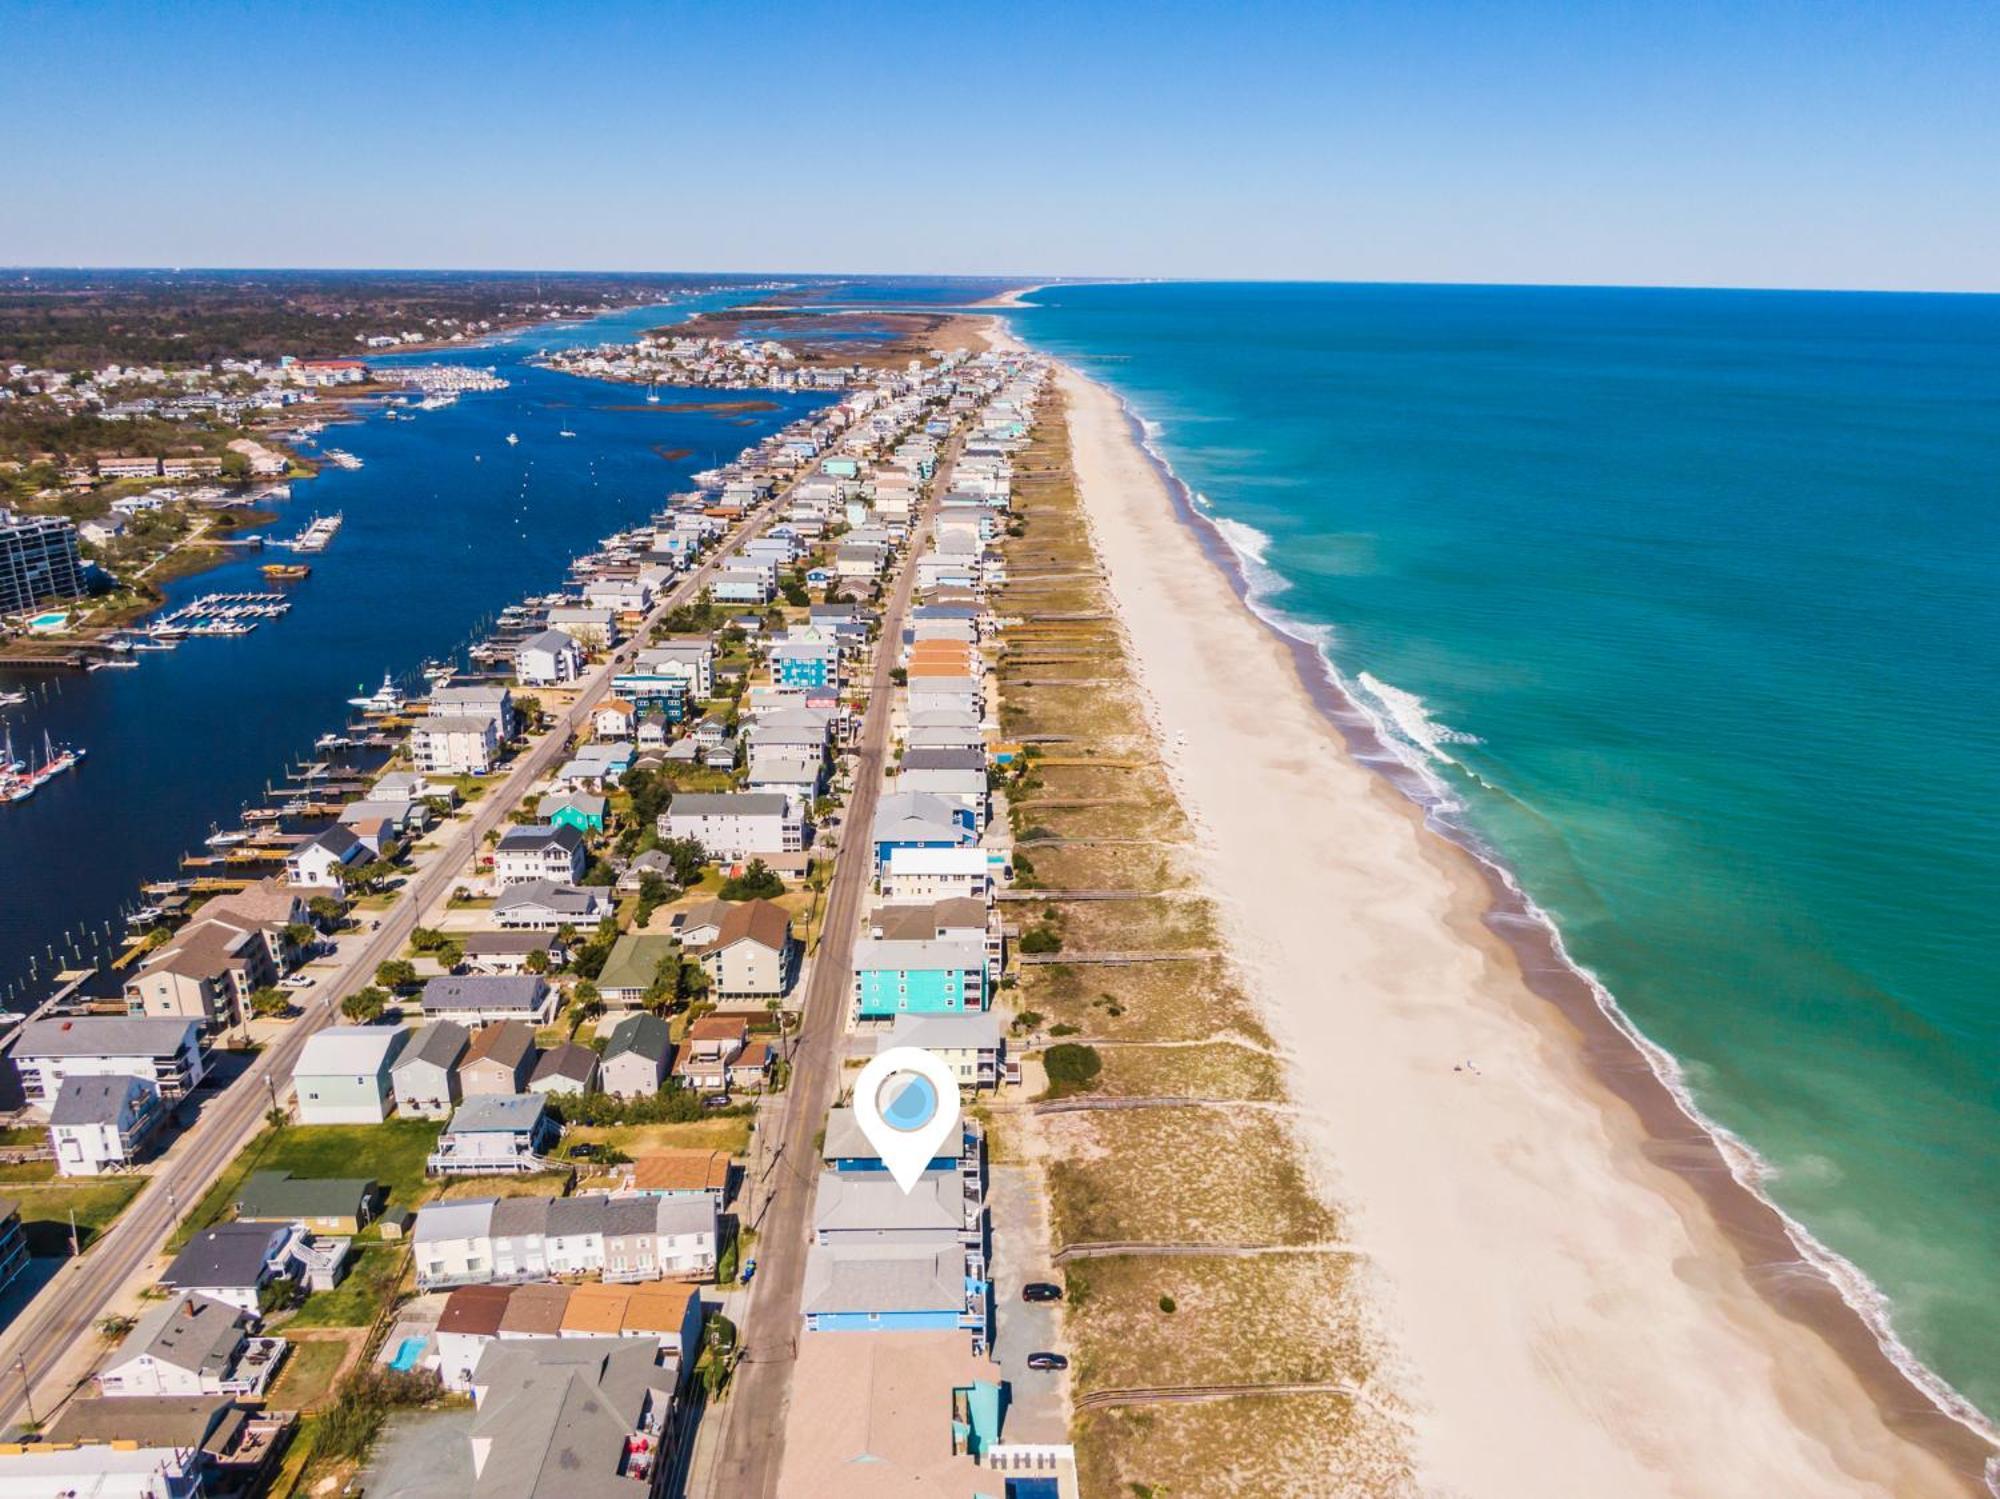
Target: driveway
[[421, 1455]]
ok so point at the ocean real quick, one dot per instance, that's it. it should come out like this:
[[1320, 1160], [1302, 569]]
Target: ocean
[[445, 524], [1686, 605]]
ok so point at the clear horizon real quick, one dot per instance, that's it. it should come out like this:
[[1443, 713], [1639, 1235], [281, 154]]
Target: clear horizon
[[1768, 145]]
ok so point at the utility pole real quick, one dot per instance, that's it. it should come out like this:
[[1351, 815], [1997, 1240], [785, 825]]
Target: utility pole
[[27, 1390]]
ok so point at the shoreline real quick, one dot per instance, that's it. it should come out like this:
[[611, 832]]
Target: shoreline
[[1748, 1243]]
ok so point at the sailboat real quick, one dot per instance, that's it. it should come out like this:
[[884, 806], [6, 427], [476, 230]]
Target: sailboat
[[565, 431], [652, 395], [512, 439]]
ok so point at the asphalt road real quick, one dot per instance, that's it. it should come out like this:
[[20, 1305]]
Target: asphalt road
[[753, 1437], [60, 1320]]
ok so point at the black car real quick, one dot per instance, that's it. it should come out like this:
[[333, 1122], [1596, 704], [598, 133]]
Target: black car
[[1047, 1361], [1041, 1290]]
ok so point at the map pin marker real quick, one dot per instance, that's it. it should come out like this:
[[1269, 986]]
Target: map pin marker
[[906, 1103]]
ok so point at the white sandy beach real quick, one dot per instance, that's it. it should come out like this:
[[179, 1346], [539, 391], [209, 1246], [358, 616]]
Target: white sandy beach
[[1563, 1317]]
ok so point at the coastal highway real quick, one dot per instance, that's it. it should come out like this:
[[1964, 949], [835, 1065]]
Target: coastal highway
[[55, 1333], [750, 1451]]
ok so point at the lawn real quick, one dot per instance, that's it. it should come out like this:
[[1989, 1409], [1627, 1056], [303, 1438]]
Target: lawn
[[392, 1153], [308, 1374], [535, 1184], [730, 1133], [96, 1201], [372, 1278]]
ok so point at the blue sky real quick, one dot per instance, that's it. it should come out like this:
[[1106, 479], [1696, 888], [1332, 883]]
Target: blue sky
[[1762, 143]]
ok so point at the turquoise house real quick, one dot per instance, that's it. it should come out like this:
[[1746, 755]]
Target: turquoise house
[[894, 978], [581, 810]]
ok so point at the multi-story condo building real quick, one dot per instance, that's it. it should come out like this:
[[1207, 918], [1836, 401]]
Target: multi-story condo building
[[38, 560]]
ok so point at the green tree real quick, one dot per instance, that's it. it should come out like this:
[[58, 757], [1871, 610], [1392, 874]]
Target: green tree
[[537, 961], [365, 1005], [269, 1002], [300, 935], [328, 910], [758, 882], [396, 973]]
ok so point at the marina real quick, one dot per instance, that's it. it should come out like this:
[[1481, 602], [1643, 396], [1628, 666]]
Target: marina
[[432, 545]]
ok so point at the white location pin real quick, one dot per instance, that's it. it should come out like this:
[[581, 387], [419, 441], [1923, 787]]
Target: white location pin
[[906, 1103]]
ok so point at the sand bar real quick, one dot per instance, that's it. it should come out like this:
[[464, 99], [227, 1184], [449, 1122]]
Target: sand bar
[[1561, 1274]]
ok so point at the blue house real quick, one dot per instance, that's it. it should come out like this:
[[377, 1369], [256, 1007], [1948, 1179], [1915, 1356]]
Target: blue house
[[847, 1149], [886, 1260], [894, 978], [916, 819], [806, 663]]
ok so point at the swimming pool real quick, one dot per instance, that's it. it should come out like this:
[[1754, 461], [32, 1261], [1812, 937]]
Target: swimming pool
[[408, 1353]]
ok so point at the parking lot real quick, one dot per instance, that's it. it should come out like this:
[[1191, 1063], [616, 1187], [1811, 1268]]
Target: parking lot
[[1038, 1405]]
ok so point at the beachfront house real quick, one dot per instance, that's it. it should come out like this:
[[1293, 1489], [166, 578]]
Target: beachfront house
[[973, 1047], [935, 874], [918, 978]]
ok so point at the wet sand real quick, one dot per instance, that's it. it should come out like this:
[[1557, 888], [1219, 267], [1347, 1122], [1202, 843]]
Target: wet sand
[[1579, 1295]]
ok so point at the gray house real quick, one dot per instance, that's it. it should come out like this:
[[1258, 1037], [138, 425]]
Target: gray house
[[567, 1068], [481, 999], [425, 1076], [233, 1262], [635, 1058]]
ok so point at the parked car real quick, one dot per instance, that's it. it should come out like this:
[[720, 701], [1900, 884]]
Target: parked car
[[1041, 1290], [1047, 1361], [749, 1269], [716, 1101], [297, 981]]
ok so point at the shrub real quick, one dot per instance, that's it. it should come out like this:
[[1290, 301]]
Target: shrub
[[1071, 1067], [1040, 939], [1167, 1304], [348, 1427]]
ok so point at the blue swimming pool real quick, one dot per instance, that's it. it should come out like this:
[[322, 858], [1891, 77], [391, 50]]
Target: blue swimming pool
[[408, 1352], [1033, 1488]]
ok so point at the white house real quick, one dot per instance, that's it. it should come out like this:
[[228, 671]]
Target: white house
[[99, 1124], [317, 863], [548, 659], [934, 874], [168, 1051], [191, 1346], [455, 744], [345, 1074], [736, 825], [540, 851]]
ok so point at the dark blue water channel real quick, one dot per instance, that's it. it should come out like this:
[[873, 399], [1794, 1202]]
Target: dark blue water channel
[[445, 524]]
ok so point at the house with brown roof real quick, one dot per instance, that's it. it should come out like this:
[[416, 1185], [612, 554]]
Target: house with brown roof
[[681, 1173], [710, 1045], [500, 1059], [568, 1068], [752, 955], [470, 1321], [207, 971], [535, 1310]]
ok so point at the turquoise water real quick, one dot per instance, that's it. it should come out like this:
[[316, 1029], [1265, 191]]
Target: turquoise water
[[1689, 598]]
